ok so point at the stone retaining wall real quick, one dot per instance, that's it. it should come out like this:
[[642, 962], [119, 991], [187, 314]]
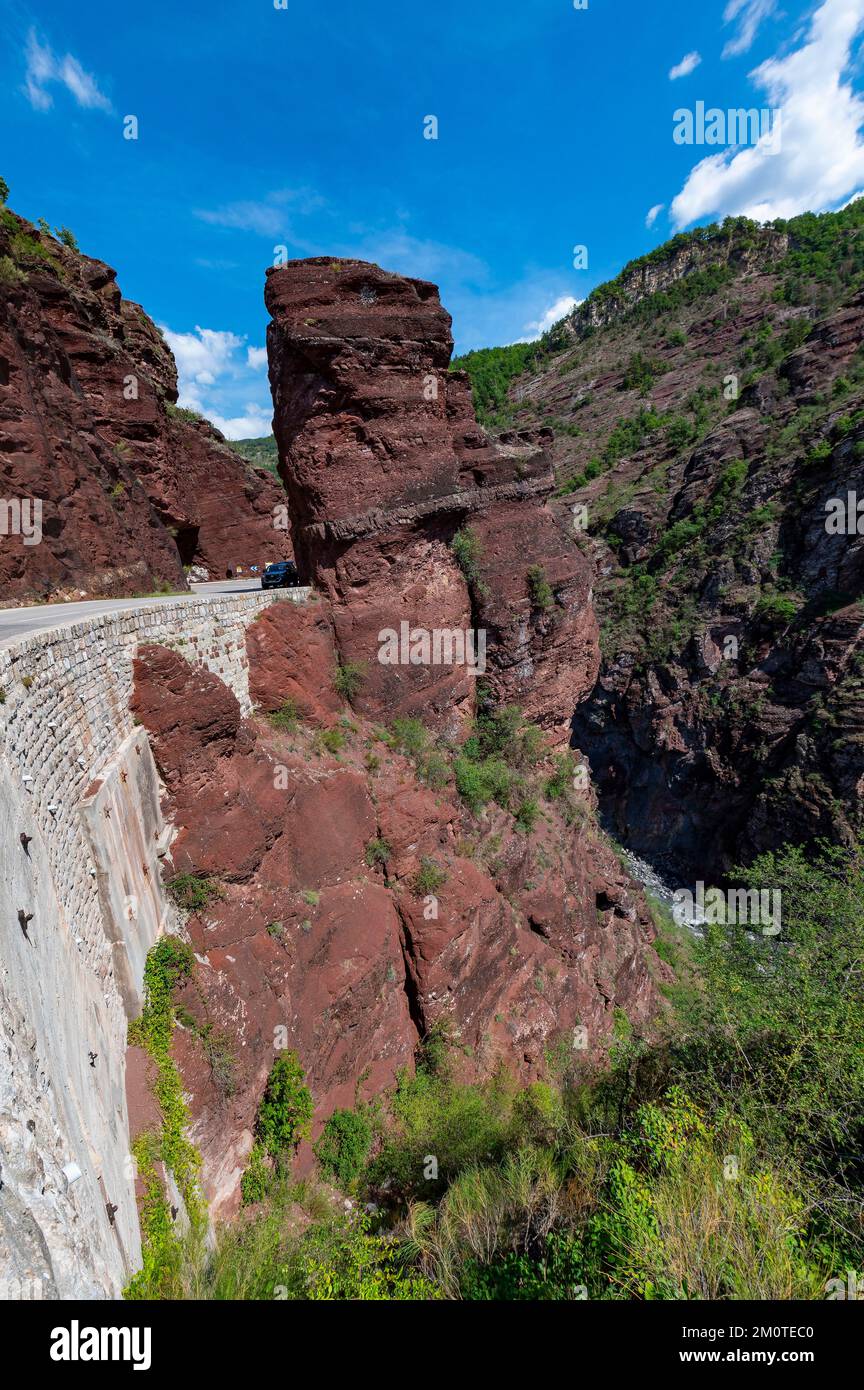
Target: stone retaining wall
[[80, 904]]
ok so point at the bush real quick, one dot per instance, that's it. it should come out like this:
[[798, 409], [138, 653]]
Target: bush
[[10, 275], [344, 1261], [561, 780], [526, 814], [410, 737], [286, 717], [539, 588], [27, 248], [776, 609], [329, 741], [182, 412], [193, 892], [285, 1110], [479, 782], [255, 1181], [348, 678], [378, 851], [4, 191], [429, 877], [67, 238], [640, 373], [468, 552], [344, 1144]]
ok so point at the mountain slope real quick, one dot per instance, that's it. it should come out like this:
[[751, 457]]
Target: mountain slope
[[706, 407]]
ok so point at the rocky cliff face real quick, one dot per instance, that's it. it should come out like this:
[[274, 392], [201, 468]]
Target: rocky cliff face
[[131, 490], [330, 934], [385, 464], [667, 267], [705, 426]]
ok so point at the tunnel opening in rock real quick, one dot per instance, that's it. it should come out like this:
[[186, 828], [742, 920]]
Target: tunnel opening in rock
[[187, 544]]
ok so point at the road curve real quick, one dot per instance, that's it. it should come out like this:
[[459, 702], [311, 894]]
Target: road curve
[[17, 622]]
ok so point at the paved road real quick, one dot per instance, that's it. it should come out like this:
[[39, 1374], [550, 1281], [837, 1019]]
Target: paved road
[[14, 622]]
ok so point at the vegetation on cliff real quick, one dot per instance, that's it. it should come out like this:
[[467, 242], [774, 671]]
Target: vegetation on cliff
[[719, 1160]]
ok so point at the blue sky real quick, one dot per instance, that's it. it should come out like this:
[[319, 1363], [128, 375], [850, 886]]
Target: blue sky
[[303, 126]]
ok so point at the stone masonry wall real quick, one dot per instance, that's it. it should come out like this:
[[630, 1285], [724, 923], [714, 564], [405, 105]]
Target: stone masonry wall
[[81, 838]]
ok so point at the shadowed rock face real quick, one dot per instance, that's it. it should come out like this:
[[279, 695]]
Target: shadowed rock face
[[530, 937], [384, 463], [728, 717], [130, 492]]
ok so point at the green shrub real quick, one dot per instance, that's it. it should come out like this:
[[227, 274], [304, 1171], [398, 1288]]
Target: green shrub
[[256, 1178], [285, 1110], [183, 413], [479, 782], [25, 247], [428, 878], [468, 553], [193, 892], [10, 275], [410, 737], [378, 851], [286, 717], [169, 963], [559, 783], [348, 678], [67, 238], [526, 814], [329, 741], [345, 1262], [776, 608], [640, 373], [4, 191], [539, 588], [344, 1144], [434, 769]]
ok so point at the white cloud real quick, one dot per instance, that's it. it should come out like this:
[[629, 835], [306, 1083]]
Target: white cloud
[[689, 63], [653, 214], [266, 217], [255, 421], [750, 14], [557, 311], [217, 374], [821, 157], [44, 68], [204, 355]]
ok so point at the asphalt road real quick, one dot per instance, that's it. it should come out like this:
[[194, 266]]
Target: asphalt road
[[16, 622]]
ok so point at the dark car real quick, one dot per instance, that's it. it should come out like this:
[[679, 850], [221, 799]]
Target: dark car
[[282, 575]]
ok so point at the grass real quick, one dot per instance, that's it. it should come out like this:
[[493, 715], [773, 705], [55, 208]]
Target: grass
[[286, 718], [378, 851], [193, 892], [348, 678], [428, 878]]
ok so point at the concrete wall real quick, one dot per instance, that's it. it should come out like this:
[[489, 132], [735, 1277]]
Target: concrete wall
[[80, 905]]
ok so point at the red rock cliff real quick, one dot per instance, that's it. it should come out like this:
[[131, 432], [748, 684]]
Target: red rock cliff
[[384, 464], [130, 491]]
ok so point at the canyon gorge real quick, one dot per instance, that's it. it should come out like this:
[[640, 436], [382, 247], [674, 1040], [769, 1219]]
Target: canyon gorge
[[364, 855]]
